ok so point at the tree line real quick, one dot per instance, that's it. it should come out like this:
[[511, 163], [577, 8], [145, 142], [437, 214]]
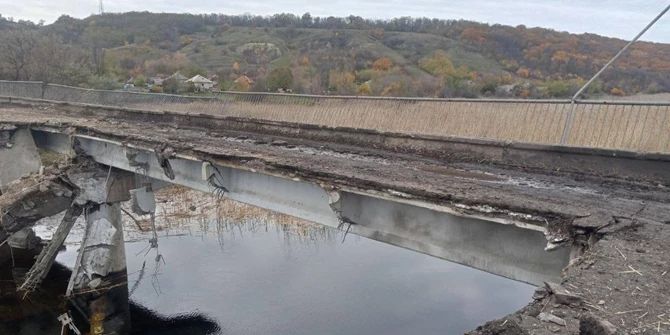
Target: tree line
[[557, 60]]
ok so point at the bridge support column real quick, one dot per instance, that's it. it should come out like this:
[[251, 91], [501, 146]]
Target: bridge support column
[[18, 155], [98, 287]]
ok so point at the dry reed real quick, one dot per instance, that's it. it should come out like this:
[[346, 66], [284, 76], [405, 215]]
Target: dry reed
[[639, 128]]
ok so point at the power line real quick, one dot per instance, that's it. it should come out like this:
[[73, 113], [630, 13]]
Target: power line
[[576, 96]]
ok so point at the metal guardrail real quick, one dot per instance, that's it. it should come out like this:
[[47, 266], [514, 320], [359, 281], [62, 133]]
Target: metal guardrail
[[622, 125]]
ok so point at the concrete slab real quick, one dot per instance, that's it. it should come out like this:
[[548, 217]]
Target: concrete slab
[[18, 158]]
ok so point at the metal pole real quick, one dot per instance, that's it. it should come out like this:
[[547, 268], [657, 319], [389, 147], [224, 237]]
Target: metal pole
[[574, 98]]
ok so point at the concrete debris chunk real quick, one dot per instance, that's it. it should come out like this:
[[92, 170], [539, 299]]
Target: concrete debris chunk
[[24, 239], [540, 293], [548, 317], [561, 295]]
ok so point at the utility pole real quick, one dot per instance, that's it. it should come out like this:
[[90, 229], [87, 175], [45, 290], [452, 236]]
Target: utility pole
[[102, 9]]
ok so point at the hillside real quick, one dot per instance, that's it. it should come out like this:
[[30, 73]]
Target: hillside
[[403, 57]]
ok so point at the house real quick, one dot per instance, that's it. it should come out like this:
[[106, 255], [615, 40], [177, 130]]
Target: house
[[156, 81], [178, 76], [201, 83]]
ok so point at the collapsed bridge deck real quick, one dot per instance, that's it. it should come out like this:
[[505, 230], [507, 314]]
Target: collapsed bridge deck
[[567, 204]]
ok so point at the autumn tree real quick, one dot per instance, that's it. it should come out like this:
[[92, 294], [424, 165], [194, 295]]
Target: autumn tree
[[523, 72], [242, 84], [439, 64], [617, 92], [280, 79], [16, 51], [364, 89], [342, 82], [382, 64], [474, 35]]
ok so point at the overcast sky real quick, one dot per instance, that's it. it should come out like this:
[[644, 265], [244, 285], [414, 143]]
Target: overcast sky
[[618, 18]]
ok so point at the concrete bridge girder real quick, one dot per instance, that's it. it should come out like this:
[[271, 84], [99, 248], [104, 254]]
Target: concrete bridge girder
[[500, 247]]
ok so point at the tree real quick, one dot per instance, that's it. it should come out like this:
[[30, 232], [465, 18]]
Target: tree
[[439, 64], [16, 51], [280, 78], [558, 89], [171, 85], [364, 89], [342, 82], [617, 92], [140, 81], [242, 84], [54, 61], [382, 64]]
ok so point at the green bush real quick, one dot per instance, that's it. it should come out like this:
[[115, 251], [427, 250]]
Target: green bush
[[280, 78]]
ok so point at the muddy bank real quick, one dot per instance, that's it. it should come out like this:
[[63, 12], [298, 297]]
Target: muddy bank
[[619, 286]]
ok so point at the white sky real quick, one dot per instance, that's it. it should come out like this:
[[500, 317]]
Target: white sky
[[617, 18]]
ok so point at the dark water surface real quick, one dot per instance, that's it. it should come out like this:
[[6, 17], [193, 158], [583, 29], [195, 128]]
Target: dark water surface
[[268, 279]]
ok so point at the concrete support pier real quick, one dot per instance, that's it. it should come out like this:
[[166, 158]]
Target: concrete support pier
[[18, 155], [98, 288]]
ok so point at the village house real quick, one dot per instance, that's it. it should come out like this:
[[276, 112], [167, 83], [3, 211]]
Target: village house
[[178, 76], [201, 83]]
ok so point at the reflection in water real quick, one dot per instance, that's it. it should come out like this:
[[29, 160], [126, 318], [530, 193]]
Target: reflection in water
[[258, 277], [253, 272], [37, 314]]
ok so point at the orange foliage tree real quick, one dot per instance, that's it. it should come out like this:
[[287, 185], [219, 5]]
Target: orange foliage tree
[[382, 64]]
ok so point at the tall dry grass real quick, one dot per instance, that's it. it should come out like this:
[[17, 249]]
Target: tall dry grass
[[641, 128], [626, 127], [179, 208]]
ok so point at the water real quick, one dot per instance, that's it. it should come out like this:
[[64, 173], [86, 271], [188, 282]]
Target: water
[[262, 278]]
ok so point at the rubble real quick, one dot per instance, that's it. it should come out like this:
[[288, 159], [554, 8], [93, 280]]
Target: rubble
[[561, 295], [548, 317]]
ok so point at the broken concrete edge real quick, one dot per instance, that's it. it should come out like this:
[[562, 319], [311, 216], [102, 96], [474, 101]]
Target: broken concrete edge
[[611, 163], [210, 160], [555, 226], [461, 206]]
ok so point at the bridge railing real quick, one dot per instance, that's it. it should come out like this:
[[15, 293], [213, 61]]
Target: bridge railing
[[634, 126]]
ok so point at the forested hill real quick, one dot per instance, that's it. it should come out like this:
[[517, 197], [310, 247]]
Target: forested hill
[[352, 55]]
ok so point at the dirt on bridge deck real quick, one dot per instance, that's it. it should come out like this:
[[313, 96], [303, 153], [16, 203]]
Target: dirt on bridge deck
[[619, 283]]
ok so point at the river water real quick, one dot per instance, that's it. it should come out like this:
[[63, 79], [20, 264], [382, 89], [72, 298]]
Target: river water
[[264, 278], [258, 273]]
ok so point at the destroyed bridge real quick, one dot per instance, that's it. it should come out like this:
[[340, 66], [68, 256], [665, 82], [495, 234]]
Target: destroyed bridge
[[528, 190]]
